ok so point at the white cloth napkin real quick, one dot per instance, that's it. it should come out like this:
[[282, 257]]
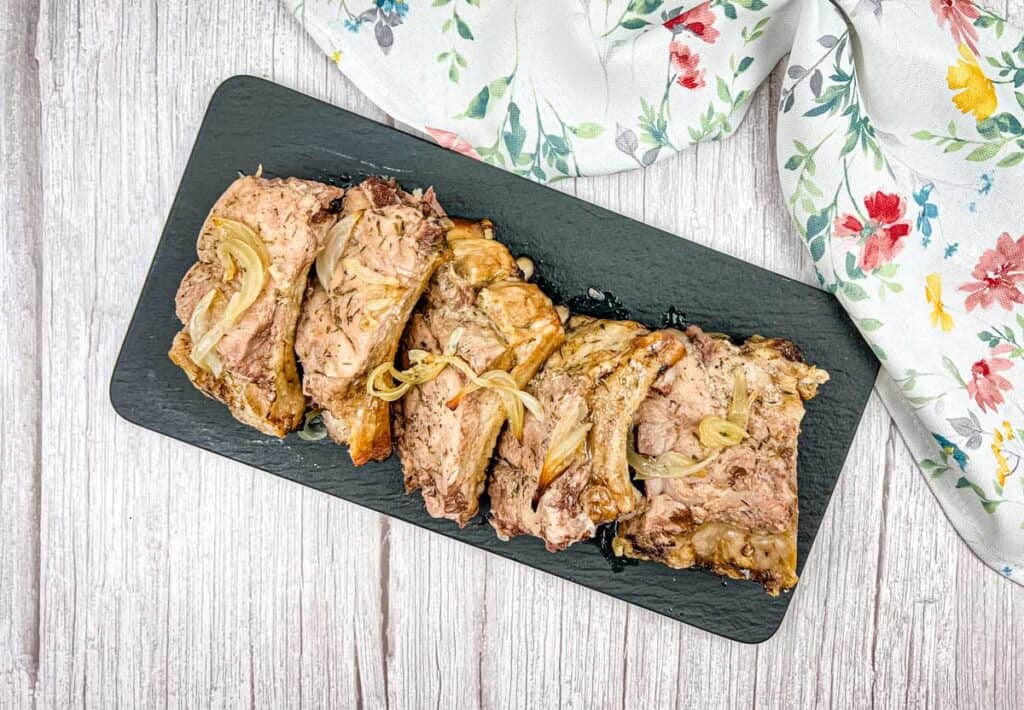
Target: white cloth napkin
[[900, 147]]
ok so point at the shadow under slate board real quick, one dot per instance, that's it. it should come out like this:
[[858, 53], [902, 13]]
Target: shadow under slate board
[[649, 275]]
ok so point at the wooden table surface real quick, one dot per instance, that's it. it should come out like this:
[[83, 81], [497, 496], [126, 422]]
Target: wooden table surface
[[139, 572]]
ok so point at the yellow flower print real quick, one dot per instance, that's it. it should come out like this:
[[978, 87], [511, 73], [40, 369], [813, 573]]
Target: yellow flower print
[[336, 57], [979, 93], [933, 292], [998, 439]]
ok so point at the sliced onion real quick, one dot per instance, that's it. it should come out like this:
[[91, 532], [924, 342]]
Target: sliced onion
[[514, 399], [565, 443], [254, 276], [668, 465], [739, 408], [199, 324], [244, 233], [357, 269], [715, 432], [334, 246], [381, 382], [526, 266], [227, 264], [313, 428], [427, 366]]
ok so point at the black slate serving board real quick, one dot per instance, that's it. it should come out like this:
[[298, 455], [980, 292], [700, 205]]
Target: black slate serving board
[[652, 276]]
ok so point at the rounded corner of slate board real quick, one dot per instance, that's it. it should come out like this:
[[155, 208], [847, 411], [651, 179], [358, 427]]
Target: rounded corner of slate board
[[653, 275], [237, 83]]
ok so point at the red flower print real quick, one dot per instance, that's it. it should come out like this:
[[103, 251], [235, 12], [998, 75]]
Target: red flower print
[[960, 16], [452, 141], [881, 234], [698, 20], [687, 64], [986, 385], [998, 272]]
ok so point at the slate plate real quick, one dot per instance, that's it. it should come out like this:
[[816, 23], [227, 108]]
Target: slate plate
[[654, 277]]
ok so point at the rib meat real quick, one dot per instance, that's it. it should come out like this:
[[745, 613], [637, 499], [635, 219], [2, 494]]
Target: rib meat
[[258, 379], [739, 515], [354, 323], [569, 473], [500, 322]]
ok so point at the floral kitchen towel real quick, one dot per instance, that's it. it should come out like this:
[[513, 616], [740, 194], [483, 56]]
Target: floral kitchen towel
[[900, 148]]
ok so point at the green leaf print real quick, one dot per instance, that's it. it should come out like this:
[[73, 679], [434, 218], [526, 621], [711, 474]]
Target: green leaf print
[[634, 23], [983, 152], [498, 87], [515, 137], [1010, 160], [818, 222], [455, 21], [817, 247], [951, 369], [478, 105], [463, 28], [643, 7], [854, 292], [587, 130], [987, 503]]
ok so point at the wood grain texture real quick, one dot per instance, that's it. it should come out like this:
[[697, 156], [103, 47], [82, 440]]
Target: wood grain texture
[[135, 571], [20, 238]]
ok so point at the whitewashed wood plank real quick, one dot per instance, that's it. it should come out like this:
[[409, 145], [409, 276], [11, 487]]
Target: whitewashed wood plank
[[435, 620], [550, 643], [915, 630], [20, 436]]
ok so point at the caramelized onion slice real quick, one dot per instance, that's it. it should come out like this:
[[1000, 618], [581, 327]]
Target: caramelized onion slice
[[563, 447], [739, 408], [716, 432], [199, 324], [334, 246], [313, 428], [254, 276], [427, 366], [668, 465], [230, 228]]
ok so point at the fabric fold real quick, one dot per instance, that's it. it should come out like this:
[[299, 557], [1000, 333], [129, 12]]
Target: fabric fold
[[900, 148]]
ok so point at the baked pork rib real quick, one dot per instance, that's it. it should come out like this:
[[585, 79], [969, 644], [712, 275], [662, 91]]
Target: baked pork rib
[[375, 265], [239, 303], [480, 303], [738, 514], [569, 473]]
